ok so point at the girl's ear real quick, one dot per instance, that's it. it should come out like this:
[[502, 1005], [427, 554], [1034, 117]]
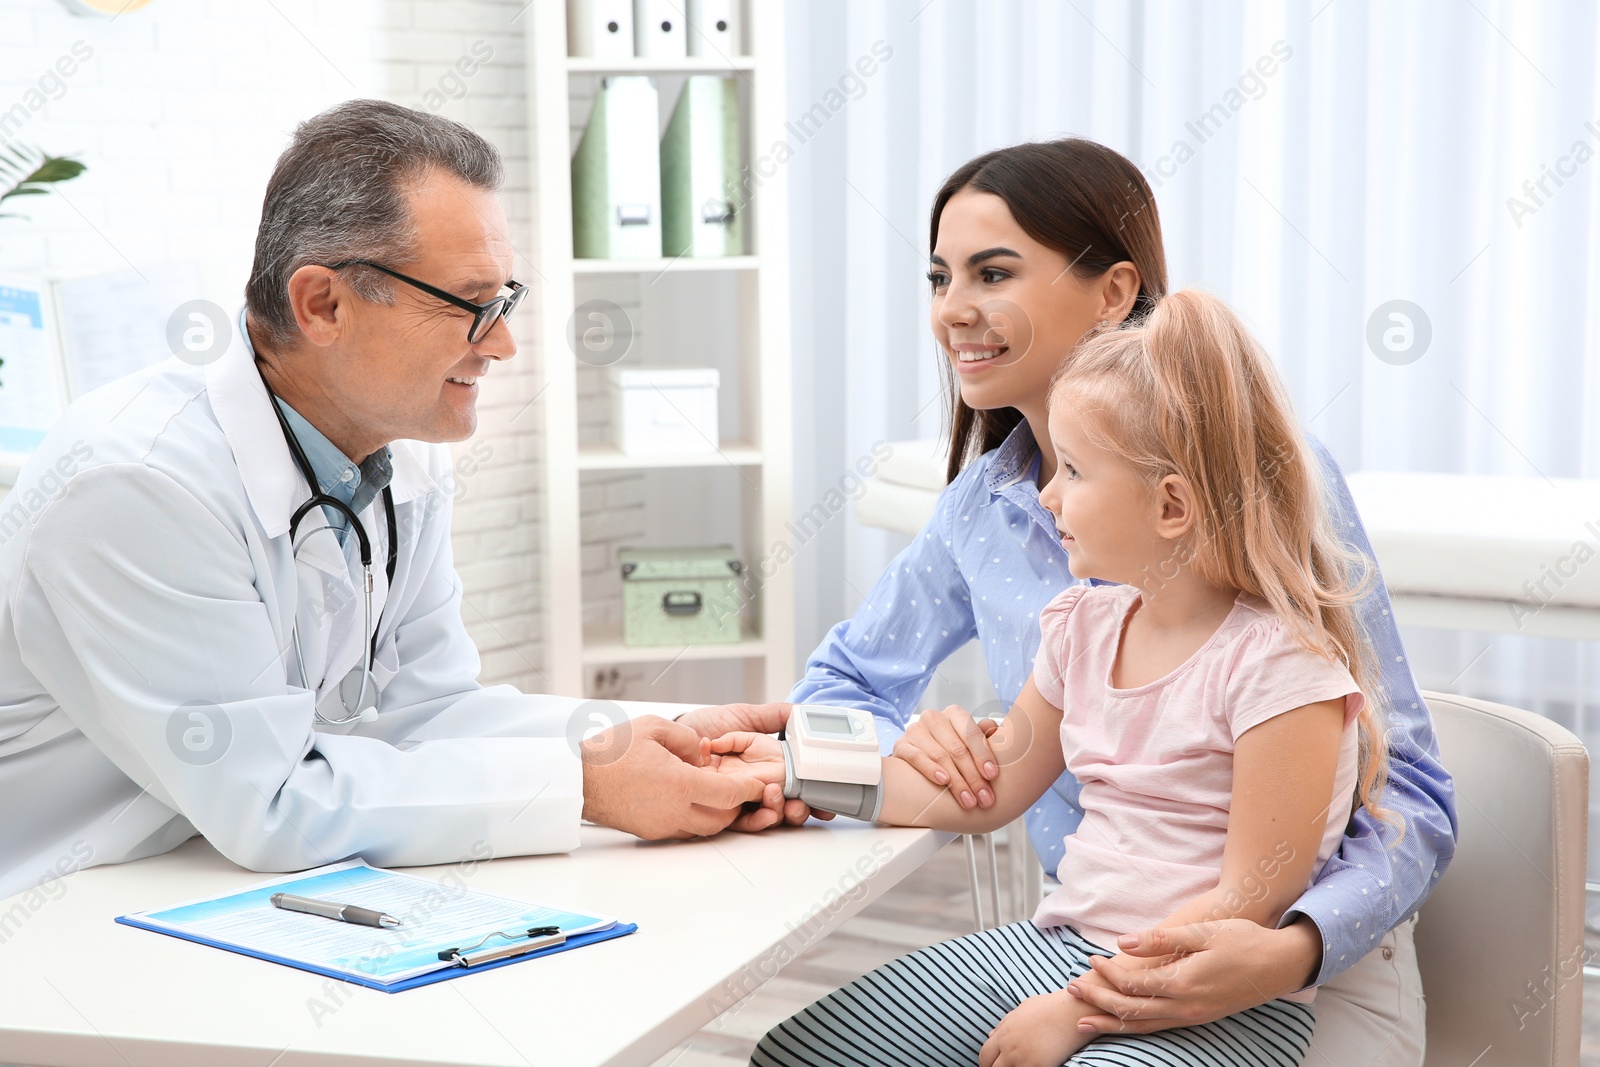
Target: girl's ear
[[1175, 503]]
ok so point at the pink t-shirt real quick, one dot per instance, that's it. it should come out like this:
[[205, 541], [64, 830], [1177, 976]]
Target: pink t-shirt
[[1156, 761]]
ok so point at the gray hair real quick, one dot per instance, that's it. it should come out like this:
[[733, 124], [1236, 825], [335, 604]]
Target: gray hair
[[338, 192]]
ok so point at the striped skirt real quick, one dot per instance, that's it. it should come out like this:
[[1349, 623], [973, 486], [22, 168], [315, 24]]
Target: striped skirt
[[938, 1005]]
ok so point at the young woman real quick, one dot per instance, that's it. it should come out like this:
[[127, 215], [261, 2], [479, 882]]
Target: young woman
[[1208, 703], [1033, 247]]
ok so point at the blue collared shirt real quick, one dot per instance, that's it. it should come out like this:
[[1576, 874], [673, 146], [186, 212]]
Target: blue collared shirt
[[982, 569], [354, 484]]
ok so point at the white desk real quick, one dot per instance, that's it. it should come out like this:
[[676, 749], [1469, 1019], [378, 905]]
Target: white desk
[[716, 918]]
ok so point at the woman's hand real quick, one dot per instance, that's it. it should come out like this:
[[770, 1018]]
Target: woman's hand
[[949, 748], [1184, 975]]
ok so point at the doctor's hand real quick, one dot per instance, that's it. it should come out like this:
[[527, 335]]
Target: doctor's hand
[[646, 776], [737, 718], [950, 748]]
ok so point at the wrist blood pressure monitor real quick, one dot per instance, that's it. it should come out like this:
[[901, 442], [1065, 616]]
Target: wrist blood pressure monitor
[[831, 760]]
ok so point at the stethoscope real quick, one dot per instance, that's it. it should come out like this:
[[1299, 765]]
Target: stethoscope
[[364, 706]]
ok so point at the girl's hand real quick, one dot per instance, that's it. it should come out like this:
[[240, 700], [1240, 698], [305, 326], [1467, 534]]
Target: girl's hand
[[949, 748], [757, 756], [747, 755], [1041, 1032]]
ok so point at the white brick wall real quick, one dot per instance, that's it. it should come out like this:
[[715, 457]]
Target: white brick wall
[[180, 113]]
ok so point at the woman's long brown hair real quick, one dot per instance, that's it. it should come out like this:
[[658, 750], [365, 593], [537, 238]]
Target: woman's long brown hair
[[1080, 198]]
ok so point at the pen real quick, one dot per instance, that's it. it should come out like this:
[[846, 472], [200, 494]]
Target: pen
[[346, 913]]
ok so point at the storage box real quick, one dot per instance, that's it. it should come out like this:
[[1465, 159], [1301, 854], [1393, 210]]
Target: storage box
[[660, 411], [680, 596]]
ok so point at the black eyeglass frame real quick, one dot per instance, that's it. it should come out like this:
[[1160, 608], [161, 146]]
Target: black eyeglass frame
[[483, 315]]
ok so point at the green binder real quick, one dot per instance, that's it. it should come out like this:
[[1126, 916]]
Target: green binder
[[702, 211], [616, 183]]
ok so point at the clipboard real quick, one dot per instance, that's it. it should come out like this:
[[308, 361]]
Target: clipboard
[[244, 923]]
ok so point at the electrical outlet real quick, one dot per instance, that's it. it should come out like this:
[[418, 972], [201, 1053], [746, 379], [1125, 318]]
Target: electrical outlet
[[606, 684]]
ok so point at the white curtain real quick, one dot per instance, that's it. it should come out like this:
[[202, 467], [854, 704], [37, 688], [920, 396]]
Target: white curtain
[[1313, 161]]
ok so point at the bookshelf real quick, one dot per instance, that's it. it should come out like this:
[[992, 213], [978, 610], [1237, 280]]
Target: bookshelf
[[760, 453]]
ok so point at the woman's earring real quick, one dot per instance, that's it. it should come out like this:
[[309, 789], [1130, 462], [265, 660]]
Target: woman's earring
[[1105, 324]]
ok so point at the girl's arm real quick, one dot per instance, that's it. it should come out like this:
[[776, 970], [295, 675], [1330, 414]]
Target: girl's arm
[[1283, 773], [1027, 748]]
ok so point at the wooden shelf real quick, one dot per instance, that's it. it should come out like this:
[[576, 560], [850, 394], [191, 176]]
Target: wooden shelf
[[729, 454], [663, 266], [751, 331], [607, 647], [684, 65]]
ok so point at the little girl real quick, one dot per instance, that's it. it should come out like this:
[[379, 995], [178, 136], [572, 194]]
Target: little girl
[[1211, 704]]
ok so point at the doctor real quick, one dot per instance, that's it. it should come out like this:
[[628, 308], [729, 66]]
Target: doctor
[[188, 643]]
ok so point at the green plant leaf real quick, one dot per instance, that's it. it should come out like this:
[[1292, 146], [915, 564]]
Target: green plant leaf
[[56, 170], [47, 170]]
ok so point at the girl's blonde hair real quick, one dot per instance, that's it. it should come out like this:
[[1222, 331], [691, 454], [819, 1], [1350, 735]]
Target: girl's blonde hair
[[1188, 391]]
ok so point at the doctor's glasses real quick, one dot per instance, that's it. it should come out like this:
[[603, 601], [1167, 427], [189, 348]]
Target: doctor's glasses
[[484, 316]]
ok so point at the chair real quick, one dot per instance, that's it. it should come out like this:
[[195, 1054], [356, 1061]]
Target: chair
[[1500, 940]]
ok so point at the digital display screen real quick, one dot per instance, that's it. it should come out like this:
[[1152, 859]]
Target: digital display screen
[[828, 724]]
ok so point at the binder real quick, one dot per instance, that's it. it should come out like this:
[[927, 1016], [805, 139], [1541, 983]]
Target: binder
[[714, 28], [602, 29], [389, 960], [701, 210], [616, 174], [658, 29]]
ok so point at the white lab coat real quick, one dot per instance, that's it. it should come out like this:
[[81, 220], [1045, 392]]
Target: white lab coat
[[148, 681]]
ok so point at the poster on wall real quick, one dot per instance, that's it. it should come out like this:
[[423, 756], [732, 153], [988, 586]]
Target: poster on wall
[[32, 389], [115, 324]]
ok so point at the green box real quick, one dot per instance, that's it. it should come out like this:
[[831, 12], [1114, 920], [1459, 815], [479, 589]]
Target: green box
[[680, 596]]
